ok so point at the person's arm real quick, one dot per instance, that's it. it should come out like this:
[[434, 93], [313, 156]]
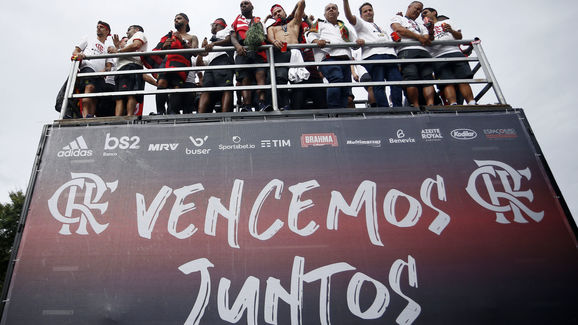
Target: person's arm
[[149, 79], [457, 34], [350, 17], [271, 38], [406, 33], [299, 12], [240, 49], [136, 44]]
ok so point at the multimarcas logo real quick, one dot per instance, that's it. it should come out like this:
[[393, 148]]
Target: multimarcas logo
[[77, 148], [318, 140]]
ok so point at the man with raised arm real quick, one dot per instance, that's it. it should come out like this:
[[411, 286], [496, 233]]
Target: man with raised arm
[[221, 36], [285, 31], [368, 31], [333, 31], [246, 77], [136, 42], [175, 40], [410, 31], [93, 46], [441, 31]]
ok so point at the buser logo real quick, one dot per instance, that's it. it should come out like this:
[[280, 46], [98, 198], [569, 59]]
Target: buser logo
[[76, 148]]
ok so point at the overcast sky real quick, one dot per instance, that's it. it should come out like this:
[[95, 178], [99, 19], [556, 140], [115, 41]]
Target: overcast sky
[[529, 45]]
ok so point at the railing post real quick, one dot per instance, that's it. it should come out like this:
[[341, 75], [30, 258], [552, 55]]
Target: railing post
[[488, 72], [274, 99], [69, 88]]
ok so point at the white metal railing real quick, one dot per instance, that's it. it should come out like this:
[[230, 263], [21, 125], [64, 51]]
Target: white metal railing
[[483, 64]]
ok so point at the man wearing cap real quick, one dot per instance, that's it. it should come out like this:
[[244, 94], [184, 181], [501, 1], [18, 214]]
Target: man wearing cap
[[285, 31], [93, 46], [441, 31], [217, 78], [333, 31], [240, 26], [410, 31], [175, 40], [368, 31], [136, 42]]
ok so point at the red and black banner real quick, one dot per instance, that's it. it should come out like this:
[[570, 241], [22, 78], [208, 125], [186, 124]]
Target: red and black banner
[[429, 219]]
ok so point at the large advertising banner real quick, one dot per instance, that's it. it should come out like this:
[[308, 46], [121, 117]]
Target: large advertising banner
[[429, 219]]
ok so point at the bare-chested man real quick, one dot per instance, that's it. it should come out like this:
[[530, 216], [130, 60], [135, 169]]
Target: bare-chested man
[[179, 39], [284, 31]]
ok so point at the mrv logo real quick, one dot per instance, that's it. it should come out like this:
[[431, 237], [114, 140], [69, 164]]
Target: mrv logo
[[125, 142], [509, 197], [76, 148], [81, 212], [163, 146]]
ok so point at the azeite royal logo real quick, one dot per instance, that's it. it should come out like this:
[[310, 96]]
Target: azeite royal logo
[[318, 140], [81, 212], [464, 134], [431, 135], [76, 148]]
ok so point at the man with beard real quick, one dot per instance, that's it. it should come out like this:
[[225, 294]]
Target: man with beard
[[246, 77], [136, 42], [410, 30], [175, 40], [368, 31], [93, 46], [333, 31]]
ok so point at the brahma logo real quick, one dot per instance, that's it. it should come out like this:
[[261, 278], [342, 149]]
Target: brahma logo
[[76, 148], [318, 140], [464, 134], [493, 173], [81, 212]]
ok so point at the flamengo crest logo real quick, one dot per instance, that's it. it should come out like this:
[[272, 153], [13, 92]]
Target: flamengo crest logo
[[81, 212], [495, 172]]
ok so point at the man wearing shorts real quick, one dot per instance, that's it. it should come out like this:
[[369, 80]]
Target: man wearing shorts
[[410, 30], [246, 77], [136, 42], [441, 31], [88, 47], [217, 78]]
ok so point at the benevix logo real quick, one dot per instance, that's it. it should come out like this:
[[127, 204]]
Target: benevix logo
[[401, 139], [509, 197], [163, 146], [77, 148], [431, 135], [275, 143], [81, 212], [198, 142]]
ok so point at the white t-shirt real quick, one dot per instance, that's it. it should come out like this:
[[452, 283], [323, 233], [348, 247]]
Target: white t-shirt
[[332, 34], [440, 35], [221, 35], [92, 46], [134, 59], [372, 33], [413, 26]]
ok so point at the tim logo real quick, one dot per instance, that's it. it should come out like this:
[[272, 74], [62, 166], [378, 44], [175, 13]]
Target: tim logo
[[508, 197], [81, 212]]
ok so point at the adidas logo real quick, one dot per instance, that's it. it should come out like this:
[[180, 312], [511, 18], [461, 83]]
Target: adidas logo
[[76, 148]]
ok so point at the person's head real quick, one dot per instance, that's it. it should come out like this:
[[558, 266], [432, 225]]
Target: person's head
[[182, 21], [366, 12], [331, 13], [429, 13], [277, 12], [217, 25], [133, 29], [102, 29], [414, 9], [123, 41], [246, 8]]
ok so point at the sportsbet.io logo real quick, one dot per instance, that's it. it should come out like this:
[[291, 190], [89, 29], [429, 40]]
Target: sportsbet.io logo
[[77, 148]]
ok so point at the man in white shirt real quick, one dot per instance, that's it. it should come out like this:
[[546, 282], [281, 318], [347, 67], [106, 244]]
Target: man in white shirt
[[137, 42], [410, 31], [368, 31], [333, 31], [88, 47], [442, 30]]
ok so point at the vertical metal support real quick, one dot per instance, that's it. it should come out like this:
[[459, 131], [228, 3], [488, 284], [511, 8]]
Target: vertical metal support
[[489, 73], [69, 88], [274, 98]]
